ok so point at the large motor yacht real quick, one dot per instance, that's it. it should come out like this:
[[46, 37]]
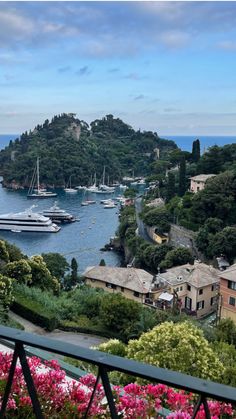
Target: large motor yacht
[[58, 215], [27, 221]]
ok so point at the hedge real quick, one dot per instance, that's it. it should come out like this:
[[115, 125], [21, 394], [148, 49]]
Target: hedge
[[72, 326], [34, 312]]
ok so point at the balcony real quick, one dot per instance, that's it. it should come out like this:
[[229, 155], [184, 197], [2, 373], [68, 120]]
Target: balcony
[[203, 389]]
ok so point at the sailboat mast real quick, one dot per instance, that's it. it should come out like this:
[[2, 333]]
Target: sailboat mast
[[38, 174], [103, 176]]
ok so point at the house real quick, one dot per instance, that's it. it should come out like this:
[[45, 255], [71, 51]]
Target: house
[[198, 182], [156, 236], [133, 283], [196, 287], [228, 293]]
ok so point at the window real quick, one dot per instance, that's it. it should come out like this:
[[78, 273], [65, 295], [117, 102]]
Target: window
[[213, 300], [136, 294], [232, 301], [122, 289], [181, 289], [188, 288], [188, 303], [214, 287], [108, 285], [232, 285], [201, 291], [200, 305], [177, 289]]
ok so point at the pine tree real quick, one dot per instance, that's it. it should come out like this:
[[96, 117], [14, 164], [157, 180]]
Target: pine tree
[[170, 192], [196, 152], [74, 272], [102, 262], [182, 177]]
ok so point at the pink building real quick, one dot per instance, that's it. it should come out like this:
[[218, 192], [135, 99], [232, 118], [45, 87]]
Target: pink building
[[198, 182]]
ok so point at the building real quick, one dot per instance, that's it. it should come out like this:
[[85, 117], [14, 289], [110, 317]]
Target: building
[[133, 283], [156, 236], [198, 182], [228, 293], [196, 287]]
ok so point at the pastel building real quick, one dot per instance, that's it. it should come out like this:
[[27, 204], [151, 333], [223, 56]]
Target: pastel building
[[228, 293], [198, 182]]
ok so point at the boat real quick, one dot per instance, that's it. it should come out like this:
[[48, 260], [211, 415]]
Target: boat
[[124, 187], [59, 215], [87, 202], [69, 189], [27, 221], [93, 188], [103, 188], [38, 192], [110, 205]]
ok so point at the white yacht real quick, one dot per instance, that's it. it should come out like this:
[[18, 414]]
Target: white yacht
[[27, 221], [69, 188], [59, 215]]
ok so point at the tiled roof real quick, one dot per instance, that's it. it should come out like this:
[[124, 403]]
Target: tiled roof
[[130, 278], [201, 178], [229, 273], [198, 275]]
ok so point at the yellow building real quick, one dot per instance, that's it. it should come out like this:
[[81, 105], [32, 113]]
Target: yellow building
[[197, 287], [133, 283], [157, 237]]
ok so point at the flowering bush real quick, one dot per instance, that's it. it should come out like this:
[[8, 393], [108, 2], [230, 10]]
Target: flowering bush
[[61, 398]]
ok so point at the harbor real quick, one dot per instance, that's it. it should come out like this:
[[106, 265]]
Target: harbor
[[81, 240]]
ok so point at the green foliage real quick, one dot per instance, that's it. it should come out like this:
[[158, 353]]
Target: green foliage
[[196, 153], [41, 277], [176, 257], [56, 264], [113, 347], [66, 146], [4, 255], [130, 193], [170, 190], [206, 235], [119, 314], [102, 262], [224, 242], [6, 294], [182, 177], [14, 252], [227, 356], [19, 270], [158, 217], [226, 331], [150, 256], [180, 347]]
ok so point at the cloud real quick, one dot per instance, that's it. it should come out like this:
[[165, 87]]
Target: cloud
[[64, 69], [174, 38], [227, 45], [83, 71], [139, 97]]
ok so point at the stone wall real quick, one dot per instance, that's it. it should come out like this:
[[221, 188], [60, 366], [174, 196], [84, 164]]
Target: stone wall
[[180, 236]]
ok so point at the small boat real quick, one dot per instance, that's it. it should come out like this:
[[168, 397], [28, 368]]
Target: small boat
[[69, 189], [88, 202], [109, 205], [38, 192]]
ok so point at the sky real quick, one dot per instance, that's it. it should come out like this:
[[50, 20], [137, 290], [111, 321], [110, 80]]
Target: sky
[[169, 67]]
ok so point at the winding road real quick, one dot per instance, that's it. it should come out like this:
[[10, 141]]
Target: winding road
[[141, 227]]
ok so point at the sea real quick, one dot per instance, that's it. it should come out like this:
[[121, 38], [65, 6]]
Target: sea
[[84, 239]]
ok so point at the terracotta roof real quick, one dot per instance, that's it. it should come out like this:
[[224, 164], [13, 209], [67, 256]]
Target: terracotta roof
[[131, 278], [201, 178], [229, 273], [199, 275]]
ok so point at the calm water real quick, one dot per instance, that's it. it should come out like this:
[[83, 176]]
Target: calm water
[[81, 240], [185, 142]]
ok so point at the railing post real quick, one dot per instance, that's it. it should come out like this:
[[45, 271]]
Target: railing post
[[108, 392], [29, 382], [92, 396], [9, 381], [201, 400]]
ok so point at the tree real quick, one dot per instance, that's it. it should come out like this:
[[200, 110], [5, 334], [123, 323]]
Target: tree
[[196, 152], [176, 257], [182, 177], [4, 255], [74, 272], [179, 347], [130, 193], [170, 190], [41, 276], [158, 217], [206, 234], [19, 270], [224, 242], [56, 264], [119, 314], [226, 331], [102, 262], [6, 295]]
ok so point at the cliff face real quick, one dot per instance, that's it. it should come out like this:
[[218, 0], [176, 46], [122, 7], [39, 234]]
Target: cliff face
[[67, 146]]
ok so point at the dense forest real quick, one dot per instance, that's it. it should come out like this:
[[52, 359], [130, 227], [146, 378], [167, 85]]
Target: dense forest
[[67, 146]]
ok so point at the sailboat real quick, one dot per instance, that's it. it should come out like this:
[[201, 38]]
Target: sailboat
[[69, 189], [103, 188], [38, 192]]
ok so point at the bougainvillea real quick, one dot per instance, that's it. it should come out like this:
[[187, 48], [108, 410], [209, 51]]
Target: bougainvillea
[[61, 397]]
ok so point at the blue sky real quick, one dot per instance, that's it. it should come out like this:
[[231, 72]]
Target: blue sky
[[169, 67]]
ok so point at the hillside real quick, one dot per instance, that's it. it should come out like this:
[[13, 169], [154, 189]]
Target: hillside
[[67, 146]]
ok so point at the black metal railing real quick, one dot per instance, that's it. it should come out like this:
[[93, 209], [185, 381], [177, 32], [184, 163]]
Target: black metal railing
[[106, 363]]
